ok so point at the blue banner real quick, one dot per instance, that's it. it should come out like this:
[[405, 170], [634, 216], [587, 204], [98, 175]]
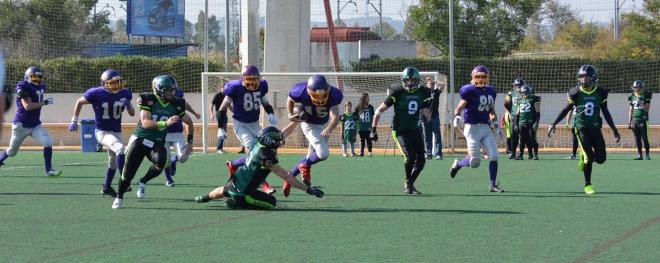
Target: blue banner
[[159, 18]]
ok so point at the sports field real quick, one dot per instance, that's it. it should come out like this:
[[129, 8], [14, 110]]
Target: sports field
[[365, 217]]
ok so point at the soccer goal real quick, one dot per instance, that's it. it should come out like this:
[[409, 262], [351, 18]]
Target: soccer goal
[[353, 85]]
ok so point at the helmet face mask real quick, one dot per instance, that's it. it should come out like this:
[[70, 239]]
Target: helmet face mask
[[410, 78], [318, 90], [34, 75], [112, 81], [250, 77], [637, 86], [480, 76], [164, 86]]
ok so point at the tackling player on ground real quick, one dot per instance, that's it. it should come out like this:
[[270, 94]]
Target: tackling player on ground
[[410, 99], [245, 96], [158, 111], [638, 117], [108, 101], [477, 106], [320, 116], [589, 100], [29, 101], [241, 190]]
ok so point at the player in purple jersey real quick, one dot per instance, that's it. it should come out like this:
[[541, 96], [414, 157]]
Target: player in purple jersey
[[477, 106], [245, 96], [175, 138], [29, 101], [108, 101], [319, 102]]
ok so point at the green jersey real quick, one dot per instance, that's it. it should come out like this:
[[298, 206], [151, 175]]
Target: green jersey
[[407, 106], [527, 111], [587, 106], [349, 121], [160, 111], [514, 101], [254, 172], [637, 102], [366, 116]]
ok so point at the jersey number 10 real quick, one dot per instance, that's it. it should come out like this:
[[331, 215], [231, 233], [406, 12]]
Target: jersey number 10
[[117, 109]]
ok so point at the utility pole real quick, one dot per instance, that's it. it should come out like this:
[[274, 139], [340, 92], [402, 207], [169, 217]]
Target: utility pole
[[379, 11], [339, 9]]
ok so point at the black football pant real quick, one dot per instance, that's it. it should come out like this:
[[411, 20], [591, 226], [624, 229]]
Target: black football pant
[[640, 129], [138, 149], [253, 199], [364, 136], [411, 144], [528, 139], [592, 144], [515, 139]]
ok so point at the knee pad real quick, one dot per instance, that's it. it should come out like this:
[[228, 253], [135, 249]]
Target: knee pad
[[475, 162], [183, 158], [11, 152]]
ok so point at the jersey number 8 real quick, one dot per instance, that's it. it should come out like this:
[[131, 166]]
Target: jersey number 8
[[589, 109]]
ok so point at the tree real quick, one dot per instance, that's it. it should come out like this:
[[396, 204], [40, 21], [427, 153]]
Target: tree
[[215, 40], [482, 28], [120, 34], [640, 38]]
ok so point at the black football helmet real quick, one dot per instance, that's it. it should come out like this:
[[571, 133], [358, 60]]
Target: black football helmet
[[589, 71]]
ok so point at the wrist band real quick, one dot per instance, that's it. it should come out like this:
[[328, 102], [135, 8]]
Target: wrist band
[[190, 138], [162, 125]]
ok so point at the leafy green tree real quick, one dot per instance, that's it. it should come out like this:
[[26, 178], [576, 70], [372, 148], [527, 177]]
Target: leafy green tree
[[215, 40], [482, 28], [640, 38]]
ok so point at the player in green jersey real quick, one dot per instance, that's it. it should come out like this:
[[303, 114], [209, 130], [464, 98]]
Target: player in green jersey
[[638, 117], [510, 108], [242, 188], [526, 121], [158, 111], [349, 120], [589, 100], [366, 113], [409, 99]]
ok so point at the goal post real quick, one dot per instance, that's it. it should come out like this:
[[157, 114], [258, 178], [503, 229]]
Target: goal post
[[352, 84]]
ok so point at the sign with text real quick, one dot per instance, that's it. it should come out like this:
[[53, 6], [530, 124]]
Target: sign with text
[[158, 18]]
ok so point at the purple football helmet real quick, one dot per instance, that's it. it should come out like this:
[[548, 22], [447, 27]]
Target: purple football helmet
[[250, 77], [34, 75], [112, 80], [318, 89], [480, 76]]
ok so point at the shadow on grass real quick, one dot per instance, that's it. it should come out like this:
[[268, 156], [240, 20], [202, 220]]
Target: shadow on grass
[[343, 210], [48, 194], [581, 194]]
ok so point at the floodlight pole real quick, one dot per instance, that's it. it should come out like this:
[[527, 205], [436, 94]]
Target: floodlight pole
[[226, 35], [379, 11], [451, 67]]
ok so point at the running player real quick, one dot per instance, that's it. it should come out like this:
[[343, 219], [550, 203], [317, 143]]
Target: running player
[[477, 106], [29, 101], [589, 100], [410, 99], [108, 101]]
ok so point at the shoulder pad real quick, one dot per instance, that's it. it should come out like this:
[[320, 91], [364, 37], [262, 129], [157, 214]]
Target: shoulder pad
[[297, 90], [573, 91], [394, 89]]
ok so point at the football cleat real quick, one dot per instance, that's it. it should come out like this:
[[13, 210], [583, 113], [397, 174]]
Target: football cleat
[[530, 156], [519, 157], [200, 199], [639, 157], [53, 173], [536, 157], [589, 190], [438, 157], [512, 157], [414, 190], [118, 203], [169, 183], [407, 188], [648, 157], [231, 168], [306, 172], [454, 169], [140, 192], [109, 191], [286, 188], [266, 188], [220, 151], [571, 157], [496, 189]]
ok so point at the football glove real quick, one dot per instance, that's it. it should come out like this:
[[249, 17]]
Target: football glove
[[315, 191], [457, 121], [373, 135], [272, 119], [73, 126], [617, 136], [49, 101]]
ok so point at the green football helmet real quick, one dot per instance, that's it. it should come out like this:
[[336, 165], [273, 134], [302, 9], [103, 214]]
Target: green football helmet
[[164, 86], [270, 137], [410, 78]]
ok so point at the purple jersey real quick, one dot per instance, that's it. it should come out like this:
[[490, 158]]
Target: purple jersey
[[317, 114], [108, 107], [178, 126], [245, 103], [480, 101], [24, 89]]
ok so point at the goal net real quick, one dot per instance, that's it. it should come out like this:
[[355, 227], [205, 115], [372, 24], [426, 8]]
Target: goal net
[[279, 84]]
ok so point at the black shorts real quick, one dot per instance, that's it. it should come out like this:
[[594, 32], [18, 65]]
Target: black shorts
[[253, 199]]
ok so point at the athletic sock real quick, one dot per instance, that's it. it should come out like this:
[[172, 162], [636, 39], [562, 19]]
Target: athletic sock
[[352, 147], [587, 173], [295, 171], [48, 157], [168, 174], [343, 147], [492, 169], [238, 162], [3, 156], [464, 162], [109, 175]]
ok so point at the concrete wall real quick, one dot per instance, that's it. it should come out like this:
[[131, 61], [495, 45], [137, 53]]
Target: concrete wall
[[386, 49], [249, 45], [321, 57], [287, 46]]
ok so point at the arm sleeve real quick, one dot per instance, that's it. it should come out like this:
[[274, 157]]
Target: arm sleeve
[[268, 157], [181, 109], [392, 94], [428, 97], [604, 92]]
